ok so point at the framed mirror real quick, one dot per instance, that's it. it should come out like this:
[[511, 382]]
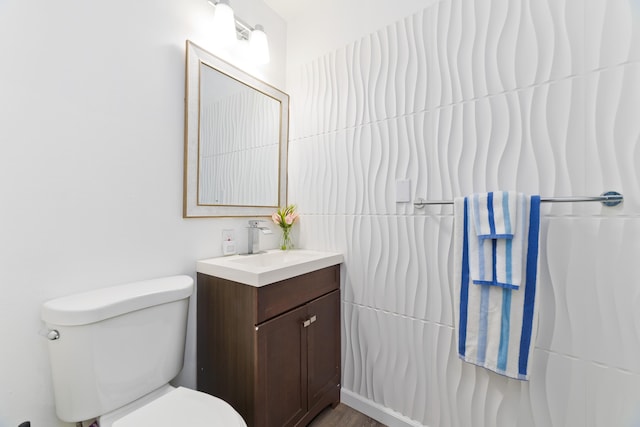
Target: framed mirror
[[236, 138]]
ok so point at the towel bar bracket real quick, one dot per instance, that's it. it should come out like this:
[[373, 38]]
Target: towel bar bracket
[[608, 198], [613, 198]]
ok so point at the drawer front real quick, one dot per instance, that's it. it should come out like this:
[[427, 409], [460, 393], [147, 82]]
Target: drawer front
[[279, 297]]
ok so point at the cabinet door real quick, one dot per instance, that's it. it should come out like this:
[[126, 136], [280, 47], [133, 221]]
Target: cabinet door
[[282, 387], [323, 337]]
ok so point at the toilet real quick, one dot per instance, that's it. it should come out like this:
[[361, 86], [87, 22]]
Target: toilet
[[114, 350]]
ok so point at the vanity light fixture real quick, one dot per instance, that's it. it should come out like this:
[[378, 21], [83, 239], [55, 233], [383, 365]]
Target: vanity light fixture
[[229, 29]]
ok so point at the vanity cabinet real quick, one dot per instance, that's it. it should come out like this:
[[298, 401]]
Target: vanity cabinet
[[272, 352]]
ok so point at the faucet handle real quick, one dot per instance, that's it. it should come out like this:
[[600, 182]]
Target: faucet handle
[[255, 222]]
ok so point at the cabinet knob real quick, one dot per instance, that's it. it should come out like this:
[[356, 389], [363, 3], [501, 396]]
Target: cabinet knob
[[309, 321]]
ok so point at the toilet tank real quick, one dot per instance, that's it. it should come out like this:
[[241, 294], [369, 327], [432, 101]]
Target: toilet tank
[[116, 344]]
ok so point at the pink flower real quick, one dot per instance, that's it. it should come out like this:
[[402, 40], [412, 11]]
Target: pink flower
[[289, 219], [276, 218], [285, 217]]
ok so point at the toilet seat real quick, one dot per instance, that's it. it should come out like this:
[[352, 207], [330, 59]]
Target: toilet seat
[[185, 407]]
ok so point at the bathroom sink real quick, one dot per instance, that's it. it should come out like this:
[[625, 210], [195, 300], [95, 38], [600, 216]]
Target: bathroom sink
[[268, 267], [275, 258]]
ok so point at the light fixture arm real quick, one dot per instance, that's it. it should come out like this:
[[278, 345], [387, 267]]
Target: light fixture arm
[[243, 29]]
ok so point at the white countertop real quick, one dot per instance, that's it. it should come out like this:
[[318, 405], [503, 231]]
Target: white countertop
[[269, 266]]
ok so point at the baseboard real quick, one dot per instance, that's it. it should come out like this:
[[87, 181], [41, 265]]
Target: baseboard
[[380, 413]]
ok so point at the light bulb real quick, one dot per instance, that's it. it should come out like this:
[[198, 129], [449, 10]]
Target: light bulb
[[224, 25], [259, 45]]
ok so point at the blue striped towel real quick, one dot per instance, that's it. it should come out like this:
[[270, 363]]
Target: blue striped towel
[[494, 214], [495, 248], [496, 326]]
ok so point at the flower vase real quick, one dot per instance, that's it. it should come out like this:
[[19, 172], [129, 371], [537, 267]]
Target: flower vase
[[285, 242]]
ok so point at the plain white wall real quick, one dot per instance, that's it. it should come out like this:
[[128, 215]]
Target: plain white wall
[[91, 163]]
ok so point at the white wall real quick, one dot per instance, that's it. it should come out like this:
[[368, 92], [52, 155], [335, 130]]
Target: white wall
[[91, 163], [541, 97]]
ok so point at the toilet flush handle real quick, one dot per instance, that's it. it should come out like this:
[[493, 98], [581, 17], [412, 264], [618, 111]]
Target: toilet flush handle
[[50, 334], [53, 335]]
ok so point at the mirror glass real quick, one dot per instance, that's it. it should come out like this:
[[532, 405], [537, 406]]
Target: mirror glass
[[235, 140]]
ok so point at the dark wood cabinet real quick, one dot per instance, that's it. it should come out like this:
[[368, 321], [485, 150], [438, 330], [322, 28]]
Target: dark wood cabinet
[[272, 352]]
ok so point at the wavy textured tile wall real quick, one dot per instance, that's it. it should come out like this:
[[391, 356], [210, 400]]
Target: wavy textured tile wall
[[538, 96], [613, 132]]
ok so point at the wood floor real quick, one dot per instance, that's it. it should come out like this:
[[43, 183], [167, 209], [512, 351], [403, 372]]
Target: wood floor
[[343, 416]]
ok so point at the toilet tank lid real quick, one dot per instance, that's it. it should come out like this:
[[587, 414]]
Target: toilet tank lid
[[100, 304]]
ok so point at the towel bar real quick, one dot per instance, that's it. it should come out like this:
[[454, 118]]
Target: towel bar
[[609, 198]]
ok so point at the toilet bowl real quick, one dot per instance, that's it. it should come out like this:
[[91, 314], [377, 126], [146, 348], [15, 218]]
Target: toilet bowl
[[114, 350]]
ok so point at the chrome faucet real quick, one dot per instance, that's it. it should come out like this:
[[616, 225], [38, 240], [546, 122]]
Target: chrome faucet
[[254, 237]]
